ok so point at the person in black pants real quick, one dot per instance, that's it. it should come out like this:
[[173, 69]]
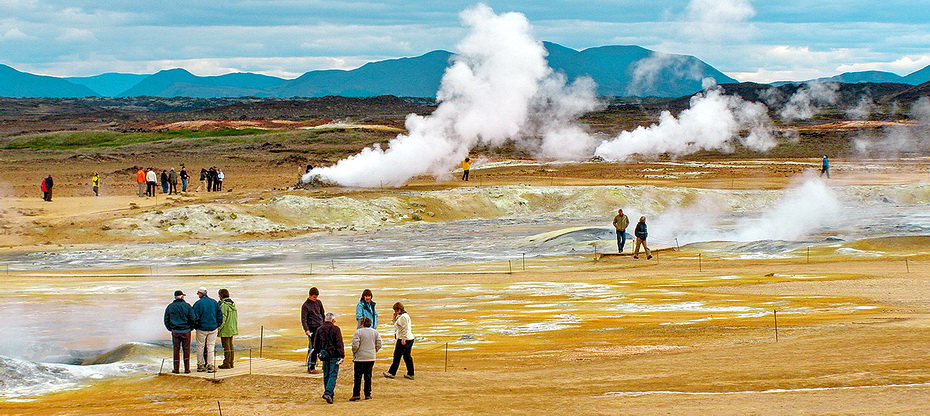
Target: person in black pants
[[311, 318], [403, 332]]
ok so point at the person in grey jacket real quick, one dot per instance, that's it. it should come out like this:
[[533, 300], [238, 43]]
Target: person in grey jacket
[[365, 344]]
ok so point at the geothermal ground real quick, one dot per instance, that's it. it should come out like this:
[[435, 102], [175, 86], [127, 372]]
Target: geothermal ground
[[500, 272]]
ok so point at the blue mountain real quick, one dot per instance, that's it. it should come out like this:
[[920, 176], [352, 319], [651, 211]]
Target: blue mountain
[[866, 76], [180, 83], [109, 84], [14, 83], [918, 77]]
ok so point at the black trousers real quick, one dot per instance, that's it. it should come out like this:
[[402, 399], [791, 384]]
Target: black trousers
[[402, 351], [362, 369], [181, 341]]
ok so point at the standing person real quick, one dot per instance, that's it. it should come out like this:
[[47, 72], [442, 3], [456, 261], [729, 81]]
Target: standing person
[[207, 319], [140, 179], [641, 234], [220, 177], [366, 309], [184, 178], [366, 342], [203, 180], [825, 166], [210, 175], [403, 332], [172, 182], [95, 181], [311, 317], [621, 221], [164, 181], [466, 167], [228, 329], [49, 183], [332, 351], [44, 187], [179, 321], [151, 180]]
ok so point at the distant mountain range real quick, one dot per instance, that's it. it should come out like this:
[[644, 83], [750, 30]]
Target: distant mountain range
[[617, 70]]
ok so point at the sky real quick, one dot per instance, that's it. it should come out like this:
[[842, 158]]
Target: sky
[[750, 40]]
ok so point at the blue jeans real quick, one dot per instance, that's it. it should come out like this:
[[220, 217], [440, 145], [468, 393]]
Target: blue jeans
[[330, 373], [183, 184], [621, 239]]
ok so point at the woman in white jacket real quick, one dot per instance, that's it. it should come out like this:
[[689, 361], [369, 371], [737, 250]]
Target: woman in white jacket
[[403, 332]]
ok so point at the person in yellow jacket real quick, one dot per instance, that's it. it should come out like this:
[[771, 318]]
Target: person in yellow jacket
[[466, 166], [96, 182]]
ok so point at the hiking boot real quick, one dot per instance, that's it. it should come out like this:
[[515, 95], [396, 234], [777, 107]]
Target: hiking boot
[[649, 257], [225, 366], [329, 399], [211, 369], [201, 368], [368, 397], [408, 376], [636, 257], [388, 375], [175, 372], [354, 398]]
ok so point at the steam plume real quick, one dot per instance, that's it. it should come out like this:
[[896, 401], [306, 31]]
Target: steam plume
[[893, 141], [712, 122], [805, 102], [499, 89]]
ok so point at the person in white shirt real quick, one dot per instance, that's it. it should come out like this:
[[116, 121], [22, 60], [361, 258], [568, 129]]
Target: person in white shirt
[[403, 332]]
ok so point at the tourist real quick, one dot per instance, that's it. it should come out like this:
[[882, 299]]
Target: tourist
[[179, 321], [403, 333], [466, 167], [641, 234], [172, 182], [140, 180], [621, 221], [49, 183], [366, 309], [164, 181], [211, 175], [825, 166], [184, 177], [207, 319], [46, 194], [366, 342], [311, 317], [228, 329], [95, 181], [151, 181], [220, 177], [332, 351], [203, 180]]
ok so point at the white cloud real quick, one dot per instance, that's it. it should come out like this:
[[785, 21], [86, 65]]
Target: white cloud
[[902, 66], [13, 34], [719, 20], [73, 35]]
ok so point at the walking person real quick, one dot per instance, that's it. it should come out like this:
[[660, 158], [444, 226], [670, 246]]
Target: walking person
[[641, 234], [366, 309], [151, 181], [172, 182], [179, 321], [203, 180], [140, 180], [311, 317], [332, 352], [49, 183], [95, 181], [366, 342], [621, 221], [164, 181], [228, 329], [403, 332], [184, 178], [466, 167], [207, 319], [825, 166], [220, 177]]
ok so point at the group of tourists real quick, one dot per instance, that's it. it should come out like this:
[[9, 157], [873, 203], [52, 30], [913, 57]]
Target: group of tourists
[[149, 179], [621, 221], [211, 319], [325, 343]]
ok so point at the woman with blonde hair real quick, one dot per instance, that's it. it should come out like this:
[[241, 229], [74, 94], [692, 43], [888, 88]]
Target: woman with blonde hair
[[403, 332]]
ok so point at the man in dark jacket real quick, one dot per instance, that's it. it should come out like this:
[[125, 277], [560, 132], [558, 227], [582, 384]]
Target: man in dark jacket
[[179, 320], [311, 317], [332, 351], [641, 235], [207, 319], [48, 185]]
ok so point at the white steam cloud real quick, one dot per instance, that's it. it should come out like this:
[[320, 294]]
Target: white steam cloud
[[498, 90], [713, 122], [896, 140], [715, 20], [805, 102]]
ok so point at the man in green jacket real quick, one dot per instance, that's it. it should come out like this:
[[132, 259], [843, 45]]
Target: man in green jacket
[[179, 320], [621, 221], [229, 328]]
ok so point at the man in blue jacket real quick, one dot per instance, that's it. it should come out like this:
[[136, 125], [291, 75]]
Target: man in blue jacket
[[207, 319], [179, 320]]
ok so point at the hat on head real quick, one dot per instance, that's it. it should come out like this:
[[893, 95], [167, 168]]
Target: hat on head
[[202, 290], [178, 293]]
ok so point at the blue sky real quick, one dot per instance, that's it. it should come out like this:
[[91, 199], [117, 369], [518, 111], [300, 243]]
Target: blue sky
[[750, 40]]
